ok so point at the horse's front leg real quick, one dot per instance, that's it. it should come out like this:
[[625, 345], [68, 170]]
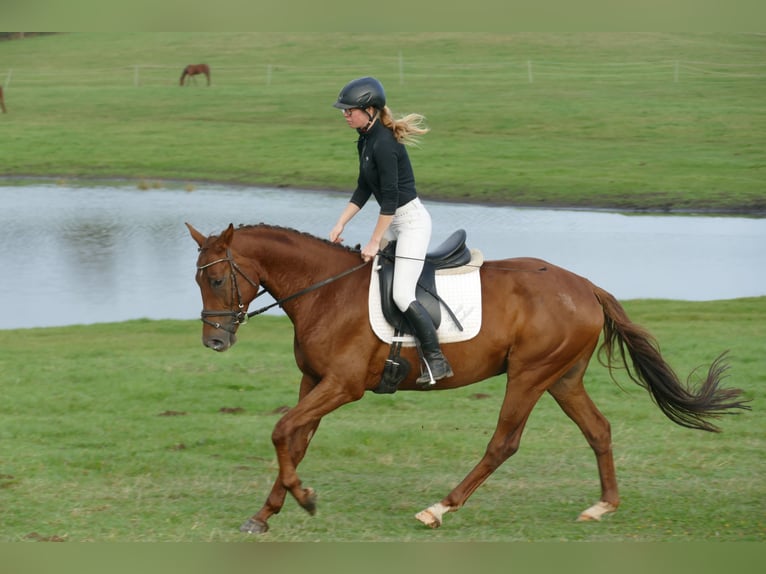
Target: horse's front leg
[[258, 523], [291, 437], [306, 415]]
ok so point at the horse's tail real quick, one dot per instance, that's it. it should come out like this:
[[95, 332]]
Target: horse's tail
[[183, 75], [679, 402]]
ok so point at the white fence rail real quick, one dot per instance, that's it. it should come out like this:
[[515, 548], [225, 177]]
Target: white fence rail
[[413, 70]]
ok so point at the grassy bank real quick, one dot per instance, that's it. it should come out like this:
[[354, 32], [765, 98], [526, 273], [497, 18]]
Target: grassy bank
[[135, 432], [625, 121]]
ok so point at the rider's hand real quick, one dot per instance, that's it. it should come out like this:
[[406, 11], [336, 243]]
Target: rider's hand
[[370, 250], [335, 234]]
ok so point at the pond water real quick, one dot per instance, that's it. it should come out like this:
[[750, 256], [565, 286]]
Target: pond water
[[75, 255]]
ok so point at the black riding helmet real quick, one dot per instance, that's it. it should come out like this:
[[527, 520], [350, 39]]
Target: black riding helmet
[[362, 93]]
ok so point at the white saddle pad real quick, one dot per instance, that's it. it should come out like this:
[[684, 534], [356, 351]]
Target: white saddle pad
[[460, 288]]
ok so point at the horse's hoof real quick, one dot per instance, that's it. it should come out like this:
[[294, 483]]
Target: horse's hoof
[[428, 518], [310, 501], [253, 526], [595, 512]]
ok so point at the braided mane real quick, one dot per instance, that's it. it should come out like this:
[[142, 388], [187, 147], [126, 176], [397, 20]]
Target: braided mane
[[262, 225]]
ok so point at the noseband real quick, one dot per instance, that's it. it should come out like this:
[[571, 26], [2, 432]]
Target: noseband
[[238, 316]]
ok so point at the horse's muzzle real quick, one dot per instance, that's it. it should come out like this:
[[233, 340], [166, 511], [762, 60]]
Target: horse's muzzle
[[220, 342]]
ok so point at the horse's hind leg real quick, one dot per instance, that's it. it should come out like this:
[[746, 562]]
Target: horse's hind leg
[[521, 395], [569, 393]]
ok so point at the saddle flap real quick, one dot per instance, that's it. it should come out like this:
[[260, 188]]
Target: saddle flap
[[423, 292]]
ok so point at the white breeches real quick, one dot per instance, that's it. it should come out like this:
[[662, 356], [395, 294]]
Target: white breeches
[[411, 228]]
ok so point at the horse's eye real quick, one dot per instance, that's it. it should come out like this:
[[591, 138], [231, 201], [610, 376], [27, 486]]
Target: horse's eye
[[216, 282]]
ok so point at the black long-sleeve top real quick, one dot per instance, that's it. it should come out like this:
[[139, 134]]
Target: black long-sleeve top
[[385, 170]]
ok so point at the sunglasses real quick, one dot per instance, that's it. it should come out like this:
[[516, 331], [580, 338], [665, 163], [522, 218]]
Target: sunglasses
[[347, 112]]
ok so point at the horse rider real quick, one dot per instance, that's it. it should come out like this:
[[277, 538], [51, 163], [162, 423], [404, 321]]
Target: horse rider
[[385, 172]]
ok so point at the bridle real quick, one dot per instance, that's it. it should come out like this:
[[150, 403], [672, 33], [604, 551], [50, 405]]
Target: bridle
[[239, 317]]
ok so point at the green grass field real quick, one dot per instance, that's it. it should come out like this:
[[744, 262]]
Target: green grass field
[[628, 121], [135, 432]]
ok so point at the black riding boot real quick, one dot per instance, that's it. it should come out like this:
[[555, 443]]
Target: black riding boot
[[425, 331]]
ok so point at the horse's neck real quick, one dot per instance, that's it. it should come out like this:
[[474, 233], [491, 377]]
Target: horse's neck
[[289, 260]]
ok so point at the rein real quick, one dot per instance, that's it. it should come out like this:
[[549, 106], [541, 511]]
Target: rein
[[239, 317], [304, 291]]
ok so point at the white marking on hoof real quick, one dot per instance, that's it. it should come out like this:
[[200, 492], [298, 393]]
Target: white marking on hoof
[[596, 511], [432, 516]]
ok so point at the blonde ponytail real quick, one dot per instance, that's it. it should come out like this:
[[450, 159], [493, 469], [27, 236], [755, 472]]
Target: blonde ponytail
[[407, 129]]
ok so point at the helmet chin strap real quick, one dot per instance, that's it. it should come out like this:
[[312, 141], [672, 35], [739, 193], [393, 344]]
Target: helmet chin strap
[[371, 119]]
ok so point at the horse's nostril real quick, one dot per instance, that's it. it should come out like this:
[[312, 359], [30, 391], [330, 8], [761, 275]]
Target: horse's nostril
[[215, 344]]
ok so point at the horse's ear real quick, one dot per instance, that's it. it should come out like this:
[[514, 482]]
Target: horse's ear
[[227, 235], [196, 235]]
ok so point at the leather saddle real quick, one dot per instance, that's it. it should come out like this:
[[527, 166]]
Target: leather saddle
[[452, 252]]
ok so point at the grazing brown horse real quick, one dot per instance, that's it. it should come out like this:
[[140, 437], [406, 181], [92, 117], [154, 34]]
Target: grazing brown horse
[[541, 325], [193, 70], [2, 100]]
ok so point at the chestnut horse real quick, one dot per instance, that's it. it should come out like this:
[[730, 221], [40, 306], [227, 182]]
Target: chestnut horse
[[541, 325], [194, 69], [2, 100]]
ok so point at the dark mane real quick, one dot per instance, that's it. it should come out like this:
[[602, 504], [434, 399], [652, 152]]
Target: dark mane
[[262, 225]]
